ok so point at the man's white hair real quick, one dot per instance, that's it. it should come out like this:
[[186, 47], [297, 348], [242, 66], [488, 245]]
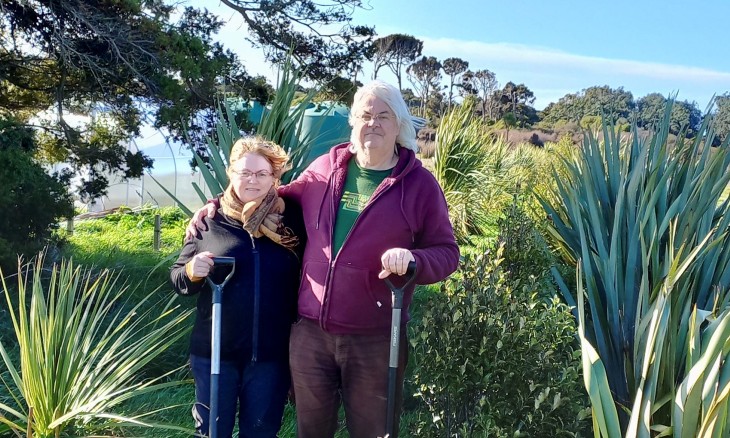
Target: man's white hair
[[394, 99]]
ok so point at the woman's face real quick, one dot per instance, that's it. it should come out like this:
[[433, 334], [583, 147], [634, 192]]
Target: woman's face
[[376, 127], [251, 177]]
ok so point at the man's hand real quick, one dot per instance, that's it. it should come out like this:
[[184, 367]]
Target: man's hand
[[198, 221], [395, 261]]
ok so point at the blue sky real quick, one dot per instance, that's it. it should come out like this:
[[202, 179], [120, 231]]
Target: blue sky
[[554, 47]]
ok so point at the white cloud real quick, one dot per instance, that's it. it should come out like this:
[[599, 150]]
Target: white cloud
[[517, 54]]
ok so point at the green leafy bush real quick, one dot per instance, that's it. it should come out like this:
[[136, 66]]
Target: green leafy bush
[[31, 201], [493, 359], [525, 253]]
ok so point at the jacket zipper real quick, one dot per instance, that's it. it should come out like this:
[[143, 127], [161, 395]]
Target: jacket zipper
[[324, 313], [256, 303], [324, 310]]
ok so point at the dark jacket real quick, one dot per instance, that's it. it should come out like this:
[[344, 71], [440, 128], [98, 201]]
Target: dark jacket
[[407, 210], [278, 282]]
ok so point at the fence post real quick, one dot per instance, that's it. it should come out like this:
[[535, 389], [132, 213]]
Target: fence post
[[157, 232], [70, 225]]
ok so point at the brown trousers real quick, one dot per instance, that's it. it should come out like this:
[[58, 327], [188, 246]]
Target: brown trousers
[[353, 369]]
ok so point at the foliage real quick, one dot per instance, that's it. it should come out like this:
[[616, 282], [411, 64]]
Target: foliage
[[510, 121], [123, 242], [338, 89], [525, 253], [481, 174], [684, 116], [117, 63], [644, 223], [82, 350], [31, 200], [453, 67], [591, 123], [303, 30], [593, 101], [517, 100], [435, 107], [618, 106], [425, 74], [492, 359], [722, 117], [482, 83], [460, 163], [395, 51]]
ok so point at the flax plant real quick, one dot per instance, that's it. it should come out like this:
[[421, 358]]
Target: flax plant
[[479, 172], [461, 164], [644, 223], [80, 353]]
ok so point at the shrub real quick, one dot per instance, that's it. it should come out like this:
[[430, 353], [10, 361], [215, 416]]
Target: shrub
[[31, 200], [492, 359], [526, 256]]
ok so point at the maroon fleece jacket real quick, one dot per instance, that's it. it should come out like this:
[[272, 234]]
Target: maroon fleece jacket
[[407, 210]]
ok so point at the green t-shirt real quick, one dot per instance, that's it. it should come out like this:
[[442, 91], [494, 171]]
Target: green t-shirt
[[359, 187]]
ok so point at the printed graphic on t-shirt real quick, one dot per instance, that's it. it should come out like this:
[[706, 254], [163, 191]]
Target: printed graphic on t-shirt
[[354, 201]]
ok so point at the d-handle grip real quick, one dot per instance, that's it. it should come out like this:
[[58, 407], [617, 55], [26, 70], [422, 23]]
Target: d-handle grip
[[224, 261], [410, 275]]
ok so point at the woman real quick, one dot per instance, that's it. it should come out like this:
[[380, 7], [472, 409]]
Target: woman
[[256, 317], [369, 209]]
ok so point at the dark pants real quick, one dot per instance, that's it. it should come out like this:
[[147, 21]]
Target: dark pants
[[353, 369], [259, 391]]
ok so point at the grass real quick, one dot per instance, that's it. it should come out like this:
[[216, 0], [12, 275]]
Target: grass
[[125, 240]]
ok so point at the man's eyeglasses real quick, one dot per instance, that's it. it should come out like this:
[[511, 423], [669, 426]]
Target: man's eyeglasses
[[380, 118], [245, 174]]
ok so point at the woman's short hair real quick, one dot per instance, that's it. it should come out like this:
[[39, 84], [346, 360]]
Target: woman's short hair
[[394, 99], [272, 152]]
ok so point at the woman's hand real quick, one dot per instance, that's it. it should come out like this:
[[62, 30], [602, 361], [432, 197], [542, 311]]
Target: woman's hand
[[198, 220], [199, 266], [395, 261]]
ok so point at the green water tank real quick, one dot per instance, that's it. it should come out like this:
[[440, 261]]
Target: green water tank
[[255, 109], [325, 123], [256, 112]]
